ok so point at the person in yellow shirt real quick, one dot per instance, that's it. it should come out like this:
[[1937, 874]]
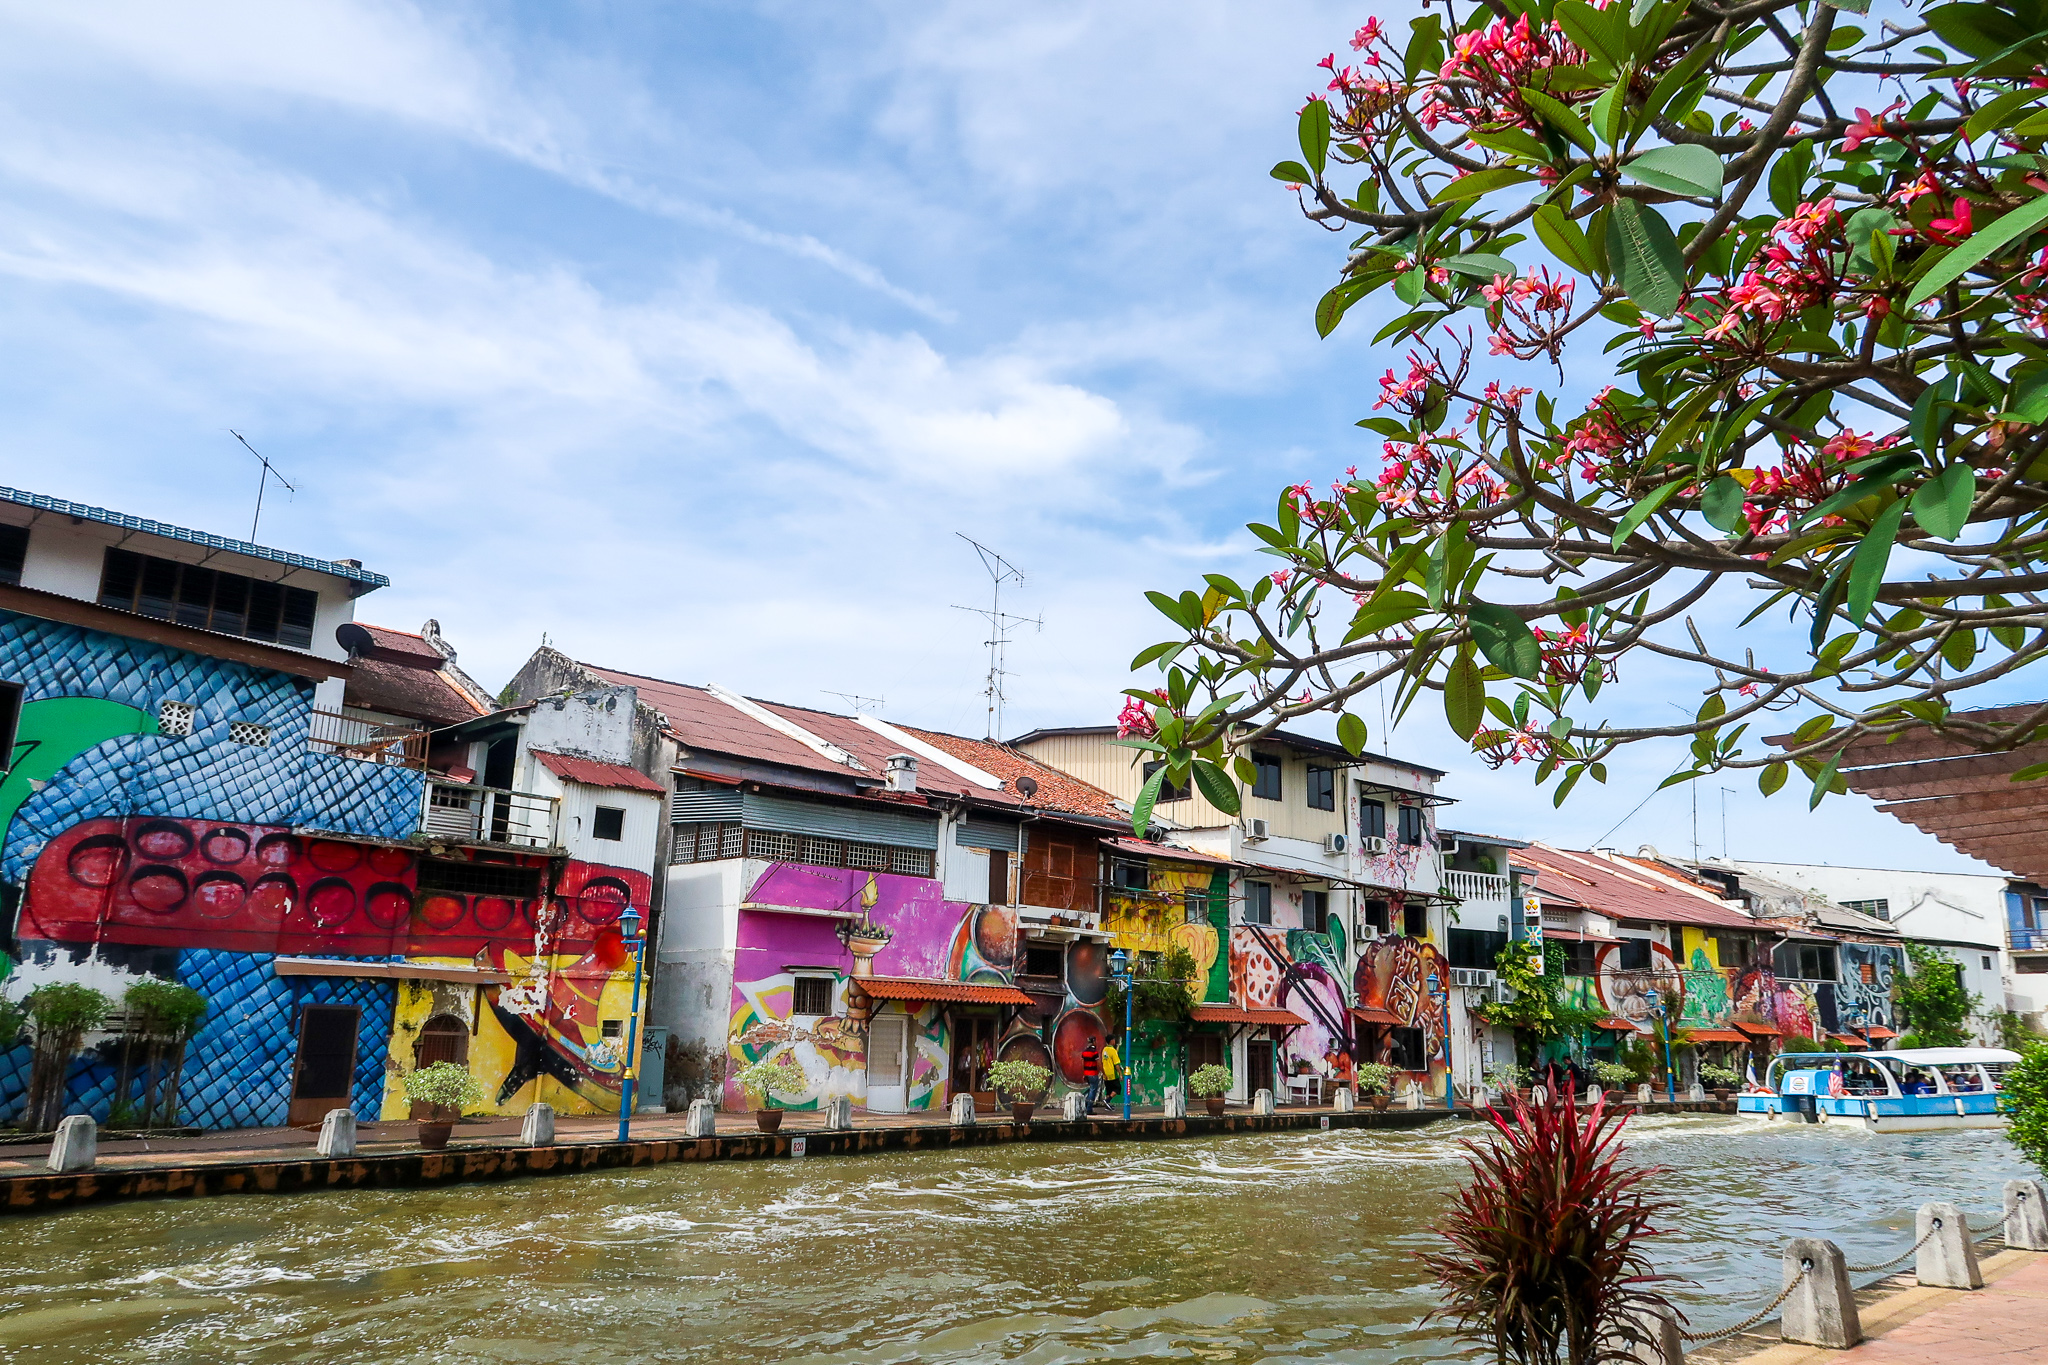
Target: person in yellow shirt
[[1112, 1069]]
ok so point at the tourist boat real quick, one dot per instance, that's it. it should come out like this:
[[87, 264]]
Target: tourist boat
[[1887, 1092]]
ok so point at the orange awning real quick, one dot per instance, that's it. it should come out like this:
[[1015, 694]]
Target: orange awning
[[1366, 1014], [953, 992], [1238, 1014], [1715, 1035], [1847, 1040], [1617, 1025], [1878, 1031], [1757, 1030]]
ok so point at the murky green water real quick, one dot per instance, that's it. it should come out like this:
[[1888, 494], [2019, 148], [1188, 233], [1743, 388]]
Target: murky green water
[[1269, 1248]]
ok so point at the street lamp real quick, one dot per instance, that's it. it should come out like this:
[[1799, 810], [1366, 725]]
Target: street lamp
[[1120, 969], [1442, 998], [1656, 1002], [629, 929]]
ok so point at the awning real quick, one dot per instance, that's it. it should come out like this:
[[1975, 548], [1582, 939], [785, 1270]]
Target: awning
[[1366, 1014], [1576, 936], [1715, 1035], [1757, 1030], [1238, 1014], [1146, 849], [592, 772], [389, 971], [1615, 1025], [1848, 1040], [952, 992], [1878, 1031]]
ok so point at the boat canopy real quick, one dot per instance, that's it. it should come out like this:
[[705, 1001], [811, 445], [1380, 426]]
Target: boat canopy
[[1923, 1056]]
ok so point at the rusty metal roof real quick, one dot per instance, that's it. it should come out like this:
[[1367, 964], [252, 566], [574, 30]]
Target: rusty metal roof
[[1238, 1014], [1622, 889], [1145, 848], [950, 992], [593, 773]]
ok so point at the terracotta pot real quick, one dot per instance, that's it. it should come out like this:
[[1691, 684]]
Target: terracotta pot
[[434, 1123], [1380, 1102], [1214, 1104], [1720, 1092], [768, 1120], [1020, 1111], [434, 1136]]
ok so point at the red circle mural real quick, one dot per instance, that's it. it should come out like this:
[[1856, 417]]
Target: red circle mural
[[271, 897], [493, 912], [388, 905], [162, 840], [442, 911], [219, 895], [1025, 1047], [1070, 1038], [95, 862], [159, 890], [390, 862], [330, 856], [995, 935], [224, 846], [278, 850], [1088, 972], [331, 901], [603, 900]]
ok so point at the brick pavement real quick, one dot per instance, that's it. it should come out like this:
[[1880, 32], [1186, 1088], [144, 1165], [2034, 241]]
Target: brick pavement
[[2004, 1323]]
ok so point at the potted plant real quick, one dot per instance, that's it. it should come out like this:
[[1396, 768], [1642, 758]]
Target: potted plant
[[1507, 1078], [780, 1072], [439, 1093], [1376, 1083], [1021, 1084], [1212, 1083], [1612, 1075], [1720, 1079]]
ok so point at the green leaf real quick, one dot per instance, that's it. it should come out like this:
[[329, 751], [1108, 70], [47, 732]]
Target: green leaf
[[1562, 116], [1565, 239], [1977, 246], [1351, 733], [1645, 257], [1148, 797], [1640, 513], [1722, 502], [1464, 697], [1681, 169], [1480, 265], [1216, 787], [1170, 608], [1959, 650], [2029, 399], [1156, 653], [1824, 782], [1315, 134], [1771, 778], [1604, 32], [1942, 504], [1995, 114], [1873, 552], [1504, 638], [1481, 182], [1292, 173]]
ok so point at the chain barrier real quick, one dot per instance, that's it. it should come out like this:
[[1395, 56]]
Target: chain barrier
[[1887, 1265], [1706, 1338], [1989, 1232]]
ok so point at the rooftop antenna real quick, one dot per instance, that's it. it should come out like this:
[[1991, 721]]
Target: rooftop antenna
[[1001, 623], [870, 705], [1724, 821], [269, 471]]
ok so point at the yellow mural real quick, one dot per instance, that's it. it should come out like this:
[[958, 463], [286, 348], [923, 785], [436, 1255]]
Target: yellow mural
[[1156, 921]]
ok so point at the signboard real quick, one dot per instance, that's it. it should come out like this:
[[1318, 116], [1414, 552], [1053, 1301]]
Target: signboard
[[1532, 931], [797, 1146]]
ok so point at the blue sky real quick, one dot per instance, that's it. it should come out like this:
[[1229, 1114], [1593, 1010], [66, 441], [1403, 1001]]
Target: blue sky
[[690, 335]]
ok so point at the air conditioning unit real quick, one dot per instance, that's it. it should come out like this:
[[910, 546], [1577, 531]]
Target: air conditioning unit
[[1479, 978], [1260, 829], [1367, 932], [1503, 993], [1372, 845], [1335, 843]]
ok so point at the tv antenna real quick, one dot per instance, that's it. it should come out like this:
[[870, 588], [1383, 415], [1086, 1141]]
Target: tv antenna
[[870, 705], [269, 471], [1001, 623]]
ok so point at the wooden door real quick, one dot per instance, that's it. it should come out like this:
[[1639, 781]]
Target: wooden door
[[974, 1043], [443, 1038], [1258, 1065], [888, 1064], [323, 1074], [1204, 1049]]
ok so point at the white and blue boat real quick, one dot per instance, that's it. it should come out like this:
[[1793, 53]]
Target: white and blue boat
[[1909, 1091]]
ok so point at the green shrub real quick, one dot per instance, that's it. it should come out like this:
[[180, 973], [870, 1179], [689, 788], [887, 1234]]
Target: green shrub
[[2025, 1101], [12, 1018], [1932, 995], [164, 1009], [1612, 1073], [444, 1083], [1216, 1080], [780, 1072], [1018, 1081], [1719, 1077], [1375, 1078], [64, 1009]]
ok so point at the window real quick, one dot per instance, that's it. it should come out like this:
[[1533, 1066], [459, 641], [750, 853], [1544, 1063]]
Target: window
[[704, 842], [1379, 915], [707, 842], [250, 733], [208, 599], [175, 718], [613, 1028], [1475, 948], [1168, 791], [1372, 819], [1987, 963], [1315, 911], [998, 877], [1733, 950], [1635, 955], [1411, 825], [608, 822], [1877, 909], [1267, 787], [1195, 903], [1258, 903], [1043, 959], [1581, 959], [10, 722], [1130, 876], [1406, 1053], [812, 996], [13, 552], [1415, 921], [1806, 961], [1322, 789], [479, 879]]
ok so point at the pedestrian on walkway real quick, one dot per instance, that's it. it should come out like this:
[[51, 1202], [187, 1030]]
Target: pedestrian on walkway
[[1091, 1072], [1112, 1069]]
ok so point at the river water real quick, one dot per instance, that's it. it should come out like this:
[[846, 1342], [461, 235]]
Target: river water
[[1273, 1247]]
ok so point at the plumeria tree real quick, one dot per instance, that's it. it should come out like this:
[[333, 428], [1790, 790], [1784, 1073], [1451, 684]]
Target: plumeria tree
[[1704, 312]]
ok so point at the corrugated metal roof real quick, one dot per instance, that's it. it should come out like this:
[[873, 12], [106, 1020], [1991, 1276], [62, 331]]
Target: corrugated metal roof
[[42, 502], [593, 773], [952, 992], [1623, 890], [1146, 848], [1238, 1014]]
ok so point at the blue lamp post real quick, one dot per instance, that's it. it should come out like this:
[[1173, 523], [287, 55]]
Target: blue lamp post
[[629, 929], [1120, 969], [1442, 998], [1656, 1002]]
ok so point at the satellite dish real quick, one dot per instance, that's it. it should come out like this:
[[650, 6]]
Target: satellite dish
[[1028, 786]]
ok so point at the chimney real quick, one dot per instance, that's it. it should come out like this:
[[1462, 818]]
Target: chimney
[[901, 772]]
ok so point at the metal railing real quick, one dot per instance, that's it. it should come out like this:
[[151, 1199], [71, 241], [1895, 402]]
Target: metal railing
[[2027, 940], [401, 744], [488, 815], [1476, 886]]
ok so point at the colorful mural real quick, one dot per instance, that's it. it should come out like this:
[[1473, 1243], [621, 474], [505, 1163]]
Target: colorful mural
[[1392, 975], [1156, 922]]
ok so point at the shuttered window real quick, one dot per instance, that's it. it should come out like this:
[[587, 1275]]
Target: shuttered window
[[986, 834]]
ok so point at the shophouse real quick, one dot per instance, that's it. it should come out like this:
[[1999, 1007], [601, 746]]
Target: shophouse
[[2026, 940], [1337, 915]]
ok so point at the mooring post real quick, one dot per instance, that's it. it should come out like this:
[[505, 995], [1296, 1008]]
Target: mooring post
[[77, 1145], [1653, 1338], [1262, 1102], [1821, 1309], [839, 1111], [1592, 1095], [2026, 1216], [1947, 1259], [1073, 1106], [1175, 1102], [338, 1133], [702, 1121], [538, 1129], [1342, 1101]]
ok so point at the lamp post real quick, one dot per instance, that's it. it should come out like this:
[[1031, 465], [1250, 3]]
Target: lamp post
[[1656, 1002], [1442, 998], [1120, 969], [629, 929]]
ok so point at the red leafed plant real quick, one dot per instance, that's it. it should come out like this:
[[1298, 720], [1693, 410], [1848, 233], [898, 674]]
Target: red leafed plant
[[1544, 1262]]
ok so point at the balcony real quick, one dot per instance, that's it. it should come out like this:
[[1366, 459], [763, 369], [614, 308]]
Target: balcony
[[1477, 887], [2027, 940], [401, 745], [467, 814]]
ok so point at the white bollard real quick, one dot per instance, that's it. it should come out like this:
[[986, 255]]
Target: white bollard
[[962, 1114], [1643, 1093], [703, 1120], [1592, 1095], [1175, 1102], [2026, 1216], [839, 1112], [1654, 1339], [1822, 1310], [1342, 1101], [77, 1145], [1539, 1095], [1947, 1260], [1071, 1106], [1262, 1102], [1696, 1092], [338, 1133], [538, 1129], [1479, 1097]]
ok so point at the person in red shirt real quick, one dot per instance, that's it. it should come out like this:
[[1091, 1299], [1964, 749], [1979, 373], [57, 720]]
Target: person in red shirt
[[1091, 1072]]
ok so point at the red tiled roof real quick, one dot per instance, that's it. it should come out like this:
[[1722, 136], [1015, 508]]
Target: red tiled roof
[[1715, 1035], [592, 773], [1372, 1014], [1625, 890], [956, 992], [1057, 791], [1756, 1030], [1238, 1014], [1575, 936], [701, 721], [401, 676], [1848, 1040], [1878, 1031], [1146, 848], [1614, 1025]]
